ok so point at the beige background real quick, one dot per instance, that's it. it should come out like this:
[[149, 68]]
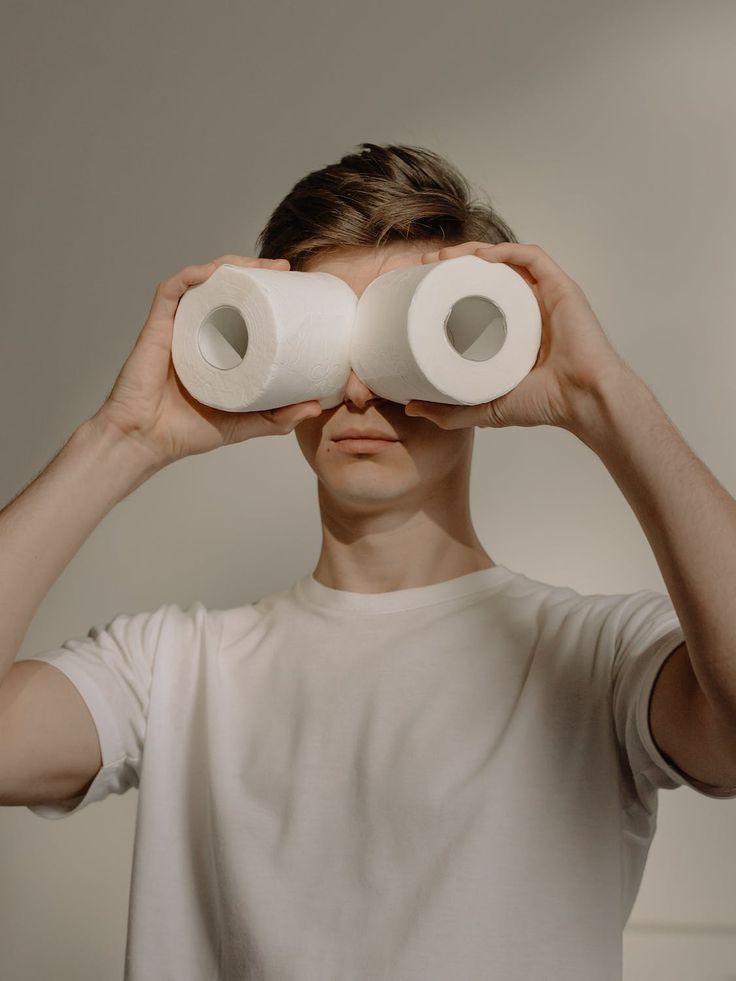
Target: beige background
[[143, 137]]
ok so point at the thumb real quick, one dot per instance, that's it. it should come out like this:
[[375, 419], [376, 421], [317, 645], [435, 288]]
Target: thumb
[[449, 416], [272, 422], [291, 415]]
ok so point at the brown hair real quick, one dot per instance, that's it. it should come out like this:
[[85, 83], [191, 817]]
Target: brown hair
[[381, 194]]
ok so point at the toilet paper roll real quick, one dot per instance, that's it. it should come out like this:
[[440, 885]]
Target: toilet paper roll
[[250, 338], [433, 332]]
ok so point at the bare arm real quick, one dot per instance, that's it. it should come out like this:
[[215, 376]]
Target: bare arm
[[147, 422], [49, 748], [43, 527]]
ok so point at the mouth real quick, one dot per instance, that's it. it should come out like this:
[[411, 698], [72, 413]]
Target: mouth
[[352, 444]]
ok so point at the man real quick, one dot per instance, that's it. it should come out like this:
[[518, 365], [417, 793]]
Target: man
[[415, 762]]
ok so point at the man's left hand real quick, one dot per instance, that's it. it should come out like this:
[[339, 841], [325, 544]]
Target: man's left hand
[[574, 353]]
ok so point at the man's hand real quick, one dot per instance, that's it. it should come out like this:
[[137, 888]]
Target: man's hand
[[573, 356], [150, 406]]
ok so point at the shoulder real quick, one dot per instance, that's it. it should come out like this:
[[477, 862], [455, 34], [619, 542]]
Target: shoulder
[[592, 618]]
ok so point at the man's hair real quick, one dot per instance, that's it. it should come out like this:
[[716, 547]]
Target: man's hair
[[380, 195]]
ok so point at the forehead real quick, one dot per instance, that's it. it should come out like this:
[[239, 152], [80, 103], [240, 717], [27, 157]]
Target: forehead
[[360, 266]]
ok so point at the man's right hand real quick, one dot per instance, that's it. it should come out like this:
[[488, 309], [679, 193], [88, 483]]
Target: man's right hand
[[149, 404]]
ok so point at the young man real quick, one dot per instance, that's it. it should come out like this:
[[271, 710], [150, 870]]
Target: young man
[[415, 763]]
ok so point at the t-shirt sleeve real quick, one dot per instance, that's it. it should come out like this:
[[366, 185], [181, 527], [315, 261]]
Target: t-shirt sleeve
[[111, 669], [646, 631]]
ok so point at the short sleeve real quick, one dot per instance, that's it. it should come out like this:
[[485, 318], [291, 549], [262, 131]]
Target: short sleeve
[[646, 631], [111, 669]]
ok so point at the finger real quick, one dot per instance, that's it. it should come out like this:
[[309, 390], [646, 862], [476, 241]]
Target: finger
[[463, 248], [448, 416], [170, 291], [451, 251], [491, 256], [532, 258], [483, 251], [286, 417]]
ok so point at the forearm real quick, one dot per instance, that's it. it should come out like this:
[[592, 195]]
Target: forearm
[[43, 527], [687, 516]]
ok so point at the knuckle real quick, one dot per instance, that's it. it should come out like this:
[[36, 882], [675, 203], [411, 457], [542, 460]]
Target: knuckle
[[492, 416], [276, 422]]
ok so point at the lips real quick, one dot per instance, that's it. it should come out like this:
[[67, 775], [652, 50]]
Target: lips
[[364, 434]]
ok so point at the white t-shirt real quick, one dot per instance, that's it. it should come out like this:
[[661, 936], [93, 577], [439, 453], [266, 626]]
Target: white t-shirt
[[448, 781]]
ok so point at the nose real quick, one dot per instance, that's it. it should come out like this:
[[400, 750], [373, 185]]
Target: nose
[[357, 392]]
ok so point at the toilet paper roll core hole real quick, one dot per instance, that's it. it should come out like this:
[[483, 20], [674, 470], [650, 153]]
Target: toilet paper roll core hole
[[223, 337], [476, 328]]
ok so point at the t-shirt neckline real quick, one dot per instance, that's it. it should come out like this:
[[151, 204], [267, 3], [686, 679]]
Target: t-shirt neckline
[[482, 580]]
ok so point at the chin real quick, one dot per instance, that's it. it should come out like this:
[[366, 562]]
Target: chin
[[357, 487]]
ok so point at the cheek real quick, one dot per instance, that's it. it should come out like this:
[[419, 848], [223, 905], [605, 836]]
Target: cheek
[[426, 432], [443, 446]]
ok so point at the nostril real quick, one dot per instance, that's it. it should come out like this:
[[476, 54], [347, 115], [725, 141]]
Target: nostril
[[356, 388]]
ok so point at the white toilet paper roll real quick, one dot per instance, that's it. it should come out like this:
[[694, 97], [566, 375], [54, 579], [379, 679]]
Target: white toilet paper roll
[[250, 338], [432, 331]]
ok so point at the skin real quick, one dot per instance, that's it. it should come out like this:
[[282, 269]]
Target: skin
[[399, 518]]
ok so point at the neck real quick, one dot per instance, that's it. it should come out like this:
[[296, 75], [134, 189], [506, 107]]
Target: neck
[[397, 547]]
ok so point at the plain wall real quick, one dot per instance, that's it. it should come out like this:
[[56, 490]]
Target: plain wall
[[139, 138]]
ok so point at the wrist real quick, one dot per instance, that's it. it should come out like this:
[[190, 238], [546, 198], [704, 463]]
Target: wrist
[[595, 410], [109, 442]]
